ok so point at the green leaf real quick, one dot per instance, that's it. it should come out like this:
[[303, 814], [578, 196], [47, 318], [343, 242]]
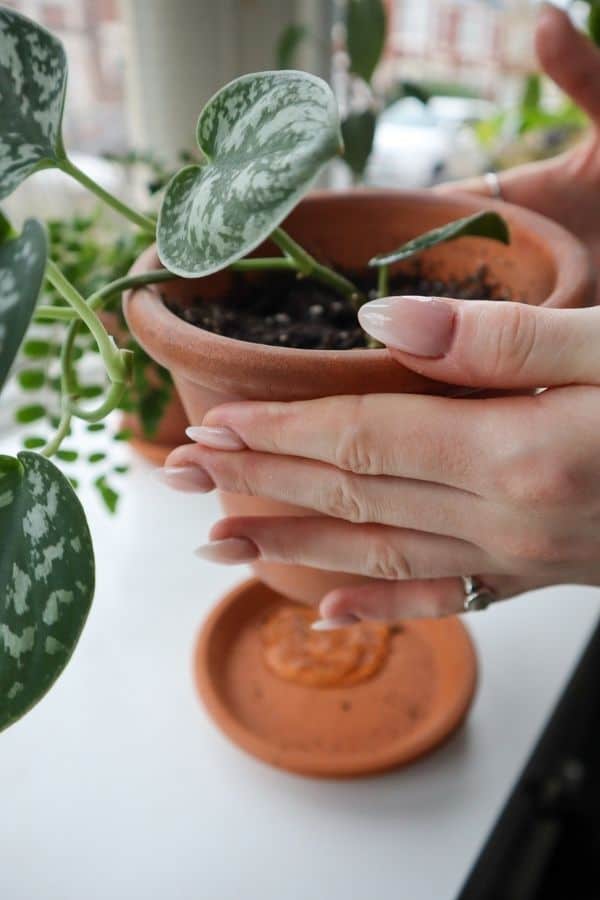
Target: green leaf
[[36, 349], [34, 443], [265, 136], [22, 266], [32, 413], [358, 132], [125, 434], [31, 379], [96, 426], [593, 23], [289, 41], [484, 224], [6, 229], [109, 497], [96, 457], [46, 579], [67, 455], [365, 35], [33, 79]]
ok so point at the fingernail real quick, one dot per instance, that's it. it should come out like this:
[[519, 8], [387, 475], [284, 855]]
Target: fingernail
[[334, 623], [422, 326], [229, 551], [186, 478], [218, 437]]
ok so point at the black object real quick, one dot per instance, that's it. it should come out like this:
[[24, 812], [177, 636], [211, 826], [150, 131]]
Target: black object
[[546, 844]]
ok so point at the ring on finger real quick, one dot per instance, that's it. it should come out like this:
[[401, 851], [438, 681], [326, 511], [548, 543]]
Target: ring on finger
[[477, 595]]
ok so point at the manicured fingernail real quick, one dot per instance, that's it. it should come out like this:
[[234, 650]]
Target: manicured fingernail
[[334, 623], [422, 326], [229, 551], [218, 437], [192, 479]]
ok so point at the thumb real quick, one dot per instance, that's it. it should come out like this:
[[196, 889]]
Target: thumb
[[491, 344], [570, 59]]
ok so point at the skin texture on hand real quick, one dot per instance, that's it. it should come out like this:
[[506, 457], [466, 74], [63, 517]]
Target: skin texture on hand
[[416, 491]]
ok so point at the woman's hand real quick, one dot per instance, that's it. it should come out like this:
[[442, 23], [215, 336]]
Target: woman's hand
[[414, 491], [567, 187]]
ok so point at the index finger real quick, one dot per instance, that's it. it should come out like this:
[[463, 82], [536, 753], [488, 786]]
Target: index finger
[[446, 441]]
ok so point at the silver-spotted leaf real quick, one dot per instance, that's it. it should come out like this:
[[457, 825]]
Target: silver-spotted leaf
[[33, 80], [46, 579], [265, 136], [365, 35], [22, 266], [484, 224]]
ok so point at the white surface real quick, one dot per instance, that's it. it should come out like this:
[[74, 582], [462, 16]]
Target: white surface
[[118, 787]]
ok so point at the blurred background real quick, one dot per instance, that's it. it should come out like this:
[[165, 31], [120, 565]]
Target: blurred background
[[455, 90]]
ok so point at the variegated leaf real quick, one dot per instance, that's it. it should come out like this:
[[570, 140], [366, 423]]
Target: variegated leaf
[[486, 224], [22, 265], [46, 579], [33, 79], [265, 136]]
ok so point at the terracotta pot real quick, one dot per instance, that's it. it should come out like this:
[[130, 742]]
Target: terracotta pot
[[543, 265]]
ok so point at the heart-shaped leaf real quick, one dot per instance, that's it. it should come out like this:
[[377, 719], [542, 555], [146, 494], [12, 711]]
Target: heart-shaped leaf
[[365, 35], [33, 80], [484, 224], [46, 579], [358, 132], [22, 266], [265, 136]]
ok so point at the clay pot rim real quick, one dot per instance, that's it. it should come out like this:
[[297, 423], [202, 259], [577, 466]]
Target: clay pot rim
[[574, 276], [433, 733]]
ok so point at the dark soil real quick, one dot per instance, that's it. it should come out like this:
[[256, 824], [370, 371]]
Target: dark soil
[[279, 310]]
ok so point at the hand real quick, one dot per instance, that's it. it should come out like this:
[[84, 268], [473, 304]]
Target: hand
[[414, 491], [567, 187]]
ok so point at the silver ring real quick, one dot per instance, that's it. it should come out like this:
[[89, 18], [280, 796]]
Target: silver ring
[[477, 595], [492, 182]]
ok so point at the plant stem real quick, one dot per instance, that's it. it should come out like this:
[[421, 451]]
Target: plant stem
[[54, 314], [110, 402], [383, 281], [99, 297], [263, 263], [61, 432], [154, 276], [307, 265], [143, 222], [112, 357]]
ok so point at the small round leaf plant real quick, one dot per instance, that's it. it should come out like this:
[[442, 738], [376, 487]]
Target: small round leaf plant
[[263, 138]]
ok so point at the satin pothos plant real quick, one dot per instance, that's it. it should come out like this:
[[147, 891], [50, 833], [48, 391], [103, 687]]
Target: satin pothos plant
[[263, 139]]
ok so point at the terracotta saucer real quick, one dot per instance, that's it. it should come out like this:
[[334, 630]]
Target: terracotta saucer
[[414, 702]]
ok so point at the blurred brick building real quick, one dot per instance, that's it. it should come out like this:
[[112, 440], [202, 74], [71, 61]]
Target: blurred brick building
[[483, 44]]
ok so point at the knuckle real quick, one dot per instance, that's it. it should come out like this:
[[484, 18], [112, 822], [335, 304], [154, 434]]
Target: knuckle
[[387, 561], [237, 477], [356, 450], [508, 341], [342, 500], [528, 550], [538, 482]]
